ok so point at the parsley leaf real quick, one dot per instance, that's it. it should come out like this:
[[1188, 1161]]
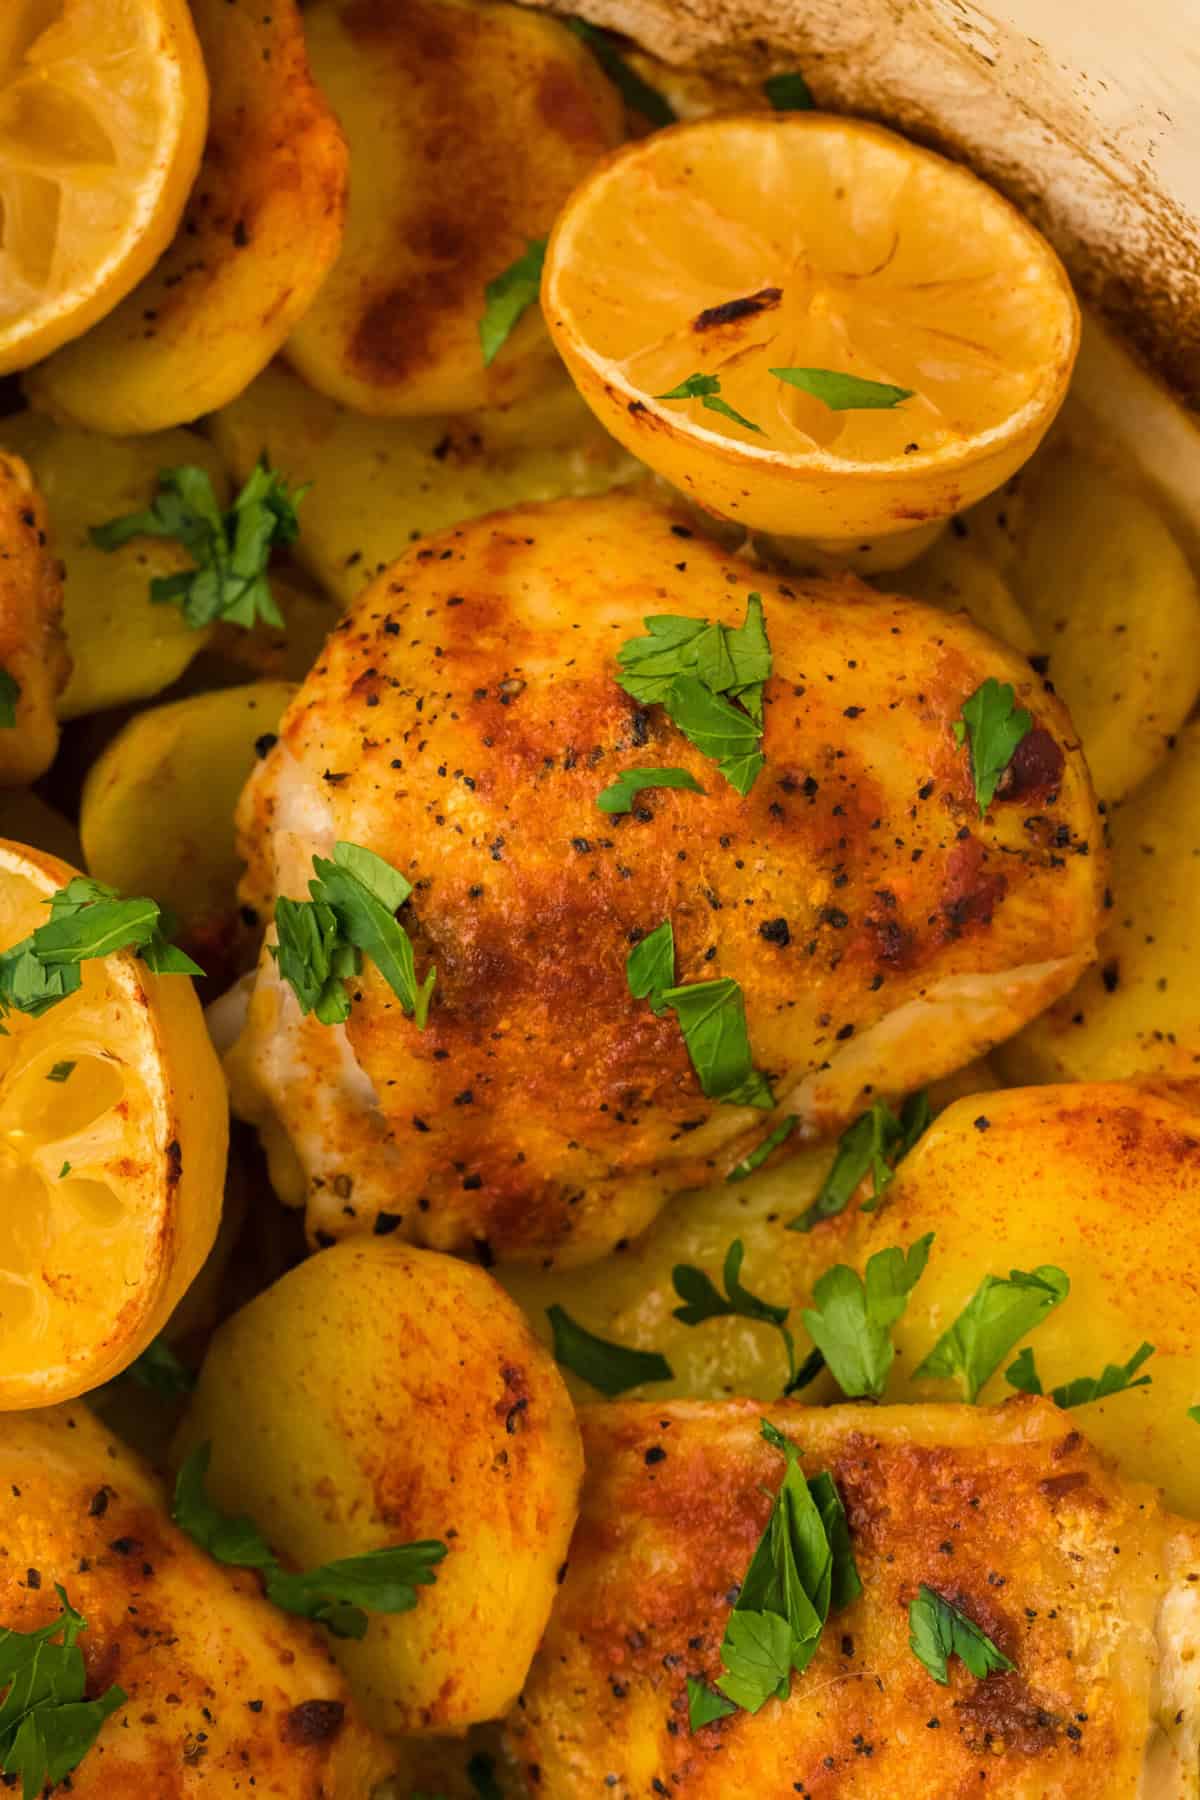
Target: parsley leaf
[[650, 966], [159, 1369], [635, 92], [844, 393], [508, 296], [851, 1318], [999, 1313], [755, 1158], [1115, 1378], [338, 1595], [62, 1071], [788, 92], [1193, 1413], [995, 725], [620, 795], [712, 1017], [874, 1144], [707, 390], [704, 1705], [46, 1725], [612, 1368], [702, 1301], [938, 1630], [720, 731], [10, 693], [230, 550], [321, 941]]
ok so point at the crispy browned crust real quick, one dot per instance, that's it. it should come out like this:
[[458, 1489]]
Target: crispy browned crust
[[33, 649], [1006, 1512]]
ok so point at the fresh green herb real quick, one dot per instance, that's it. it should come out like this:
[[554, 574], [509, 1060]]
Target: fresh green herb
[[1193, 1413], [807, 1373], [612, 1368], [64, 1171], [230, 550], [10, 693], [621, 794], [635, 92], [1114, 1379], [322, 941], [338, 1595], [788, 92], [802, 1569], [851, 1318], [510, 295], [712, 1017], [159, 1369], [875, 1144], [87, 920], [720, 731], [62, 1071], [707, 390], [938, 1630], [481, 1773], [758, 1156], [702, 1301], [650, 966], [844, 393], [46, 1725], [995, 725], [705, 1705], [999, 1313]]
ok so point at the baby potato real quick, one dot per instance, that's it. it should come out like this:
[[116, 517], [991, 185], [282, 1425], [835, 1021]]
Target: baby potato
[[469, 123], [955, 575], [379, 1395], [157, 810], [1136, 1011], [123, 646], [262, 228], [380, 483], [1102, 1181], [225, 1695], [267, 652], [32, 648]]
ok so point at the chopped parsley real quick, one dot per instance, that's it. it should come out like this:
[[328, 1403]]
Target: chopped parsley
[[338, 1595], [352, 914], [707, 390], [1193, 1413], [844, 393], [1115, 1378], [230, 550], [62, 1071], [788, 92], [10, 693], [939, 1630], [851, 1317], [711, 1015], [875, 1144], [612, 1368], [999, 1313], [755, 1158], [87, 920], [64, 1171], [994, 725], [650, 966], [159, 1369], [703, 1302], [620, 795], [508, 296], [46, 1725]]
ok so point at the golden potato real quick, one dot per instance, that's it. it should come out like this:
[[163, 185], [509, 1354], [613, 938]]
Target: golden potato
[[33, 651], [123, 647], [226, 1695], [1102, 1181], [380, 483], [957, 576], [262, 228], [1136, 1011], [469, 124], [379, 1395], [157, 810], [272, 653]]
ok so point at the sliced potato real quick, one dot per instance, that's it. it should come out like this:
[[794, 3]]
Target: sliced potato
[[32, 647], [954, 574], [380, 1395], [380, 483], [271, 653], [123, 647], [262, 228], [220, 1685], [469, 124], [1137, 1009]]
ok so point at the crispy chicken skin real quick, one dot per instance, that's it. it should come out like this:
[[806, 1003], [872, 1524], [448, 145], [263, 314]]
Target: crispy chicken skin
[[1080, 1578], [227, 1696], [33, 649], [461, 722]]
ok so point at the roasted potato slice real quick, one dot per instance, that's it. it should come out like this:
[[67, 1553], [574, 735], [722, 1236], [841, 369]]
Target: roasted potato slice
[[226, 1695], [262, 228], [1136, 1011], [469, 124], [378, 484], [406, 1399], [123, 647], [33, 651], [957, 576]]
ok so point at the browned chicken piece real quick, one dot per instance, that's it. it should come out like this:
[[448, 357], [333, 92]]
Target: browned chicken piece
[[33, 650], [461, 722], [227, 1697], [1079, 1578]]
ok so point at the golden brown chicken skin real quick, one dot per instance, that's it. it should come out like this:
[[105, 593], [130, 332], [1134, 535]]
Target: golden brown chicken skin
[[1079, 1578], [462, 721]]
